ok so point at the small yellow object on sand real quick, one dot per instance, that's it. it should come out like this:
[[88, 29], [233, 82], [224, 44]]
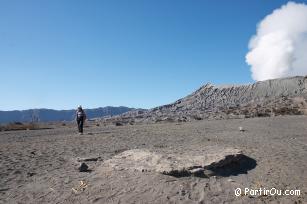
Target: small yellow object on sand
[[82, 187]]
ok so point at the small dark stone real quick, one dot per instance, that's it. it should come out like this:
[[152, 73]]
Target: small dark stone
[[30, 174], [182, 192], [118, 124], [83, 167]]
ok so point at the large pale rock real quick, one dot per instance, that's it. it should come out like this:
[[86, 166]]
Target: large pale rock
[[173, 163]]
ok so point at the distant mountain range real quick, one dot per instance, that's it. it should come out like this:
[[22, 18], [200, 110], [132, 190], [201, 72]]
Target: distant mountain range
[[46, 115]]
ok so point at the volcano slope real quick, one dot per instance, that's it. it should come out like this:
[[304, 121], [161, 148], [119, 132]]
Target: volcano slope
[[285, 96]]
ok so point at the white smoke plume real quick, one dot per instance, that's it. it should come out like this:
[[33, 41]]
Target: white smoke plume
[[279, 48]]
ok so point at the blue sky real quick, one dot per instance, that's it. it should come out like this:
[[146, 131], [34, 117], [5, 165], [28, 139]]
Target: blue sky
[[59, 53]]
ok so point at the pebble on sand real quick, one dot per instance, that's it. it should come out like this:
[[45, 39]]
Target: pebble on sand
[[83, 167]]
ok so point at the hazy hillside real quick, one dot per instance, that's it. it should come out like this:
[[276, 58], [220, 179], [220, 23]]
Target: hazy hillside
[[44, 115], [285, 96]]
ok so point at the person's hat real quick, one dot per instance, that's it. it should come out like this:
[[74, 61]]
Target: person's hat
[[79, 106]]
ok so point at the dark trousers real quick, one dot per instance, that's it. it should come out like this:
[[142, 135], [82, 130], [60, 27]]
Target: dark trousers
[[80, 122]]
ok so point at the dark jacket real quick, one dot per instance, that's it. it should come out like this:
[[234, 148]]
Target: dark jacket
[[80, 114]]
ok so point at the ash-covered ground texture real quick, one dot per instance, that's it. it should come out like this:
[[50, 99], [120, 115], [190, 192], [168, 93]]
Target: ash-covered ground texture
[[286, 96], [175, 153], [41, 166]]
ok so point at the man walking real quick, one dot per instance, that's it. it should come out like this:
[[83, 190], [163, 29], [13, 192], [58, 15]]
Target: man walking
[[80, 116]]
